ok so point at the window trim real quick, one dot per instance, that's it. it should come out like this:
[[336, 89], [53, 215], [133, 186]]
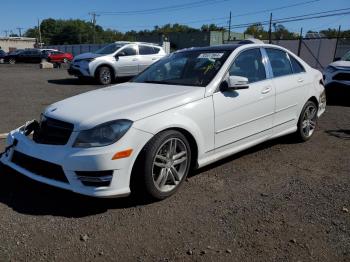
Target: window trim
[[263, 55], [294, 73], [290, 62], [142, 45], [127, 46]]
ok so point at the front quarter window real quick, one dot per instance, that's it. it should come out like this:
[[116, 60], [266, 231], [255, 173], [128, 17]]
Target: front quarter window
[[192, 68]]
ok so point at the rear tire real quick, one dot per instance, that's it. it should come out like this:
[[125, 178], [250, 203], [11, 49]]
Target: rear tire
[[307, 121], [162, 166], [12, 61], [104, 75]]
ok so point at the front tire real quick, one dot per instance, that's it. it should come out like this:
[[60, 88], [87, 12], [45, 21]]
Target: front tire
[[12, 61], [104, 75], [163, 165], [307, 121]]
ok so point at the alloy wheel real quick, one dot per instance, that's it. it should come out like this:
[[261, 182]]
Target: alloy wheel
[[170, 164], [309, 120], [106, 76]]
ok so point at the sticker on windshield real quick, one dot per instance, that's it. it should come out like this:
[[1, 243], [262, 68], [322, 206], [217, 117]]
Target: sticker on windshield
[[211, 55]]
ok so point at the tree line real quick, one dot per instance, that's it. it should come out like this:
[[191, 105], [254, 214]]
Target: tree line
[[76, 31]]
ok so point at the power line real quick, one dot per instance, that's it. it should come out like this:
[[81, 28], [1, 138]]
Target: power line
[[276, 9], [164, 9], [225, 18], [297, 18]]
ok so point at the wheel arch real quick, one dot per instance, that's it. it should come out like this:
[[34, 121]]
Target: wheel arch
[[105, 65], [192, 141], [313, 99], [194, 154]]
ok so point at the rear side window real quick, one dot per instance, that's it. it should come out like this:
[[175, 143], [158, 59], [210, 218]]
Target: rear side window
[[156, 50], [249, 64], [129, 51], [147, 50], [280, 62], [297, 67]]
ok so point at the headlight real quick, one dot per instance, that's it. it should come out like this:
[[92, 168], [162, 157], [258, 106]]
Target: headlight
[[330, 69], [104, 134], [85, 59], [89, 59]]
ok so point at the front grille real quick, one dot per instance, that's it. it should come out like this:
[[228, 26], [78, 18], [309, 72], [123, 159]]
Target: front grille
[[53, 132], [39, 167], [342, 76]]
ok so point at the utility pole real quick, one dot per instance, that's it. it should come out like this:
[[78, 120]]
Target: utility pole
[[20, 30], [336, 43], [93, 15], [229, 28], [39, 33], [300, 40], [270, 30]]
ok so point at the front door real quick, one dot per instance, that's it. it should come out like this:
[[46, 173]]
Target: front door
[[247, 113], [127, 61]]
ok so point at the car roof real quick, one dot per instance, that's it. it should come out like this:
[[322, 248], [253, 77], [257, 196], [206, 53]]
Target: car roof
[[226, 47]]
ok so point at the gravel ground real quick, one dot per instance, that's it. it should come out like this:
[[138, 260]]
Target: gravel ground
[[279, 201]]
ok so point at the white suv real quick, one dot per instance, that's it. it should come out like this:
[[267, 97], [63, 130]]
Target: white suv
[[119, 59]]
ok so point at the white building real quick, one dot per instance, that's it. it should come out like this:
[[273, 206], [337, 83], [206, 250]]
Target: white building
[[12, 43]]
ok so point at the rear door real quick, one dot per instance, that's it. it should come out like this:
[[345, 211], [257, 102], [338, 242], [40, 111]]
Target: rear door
[[290, 91], [148, 55], [127, 61]]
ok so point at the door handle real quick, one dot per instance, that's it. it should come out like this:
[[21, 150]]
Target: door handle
[[266, 90], [134, 59], [154, 58], [300, 80]]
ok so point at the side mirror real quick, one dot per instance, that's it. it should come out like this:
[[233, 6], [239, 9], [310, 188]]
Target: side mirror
[[235, 83], [336, 59], [121, 53]]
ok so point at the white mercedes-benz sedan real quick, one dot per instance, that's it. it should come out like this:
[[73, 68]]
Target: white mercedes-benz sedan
[[189, 109]]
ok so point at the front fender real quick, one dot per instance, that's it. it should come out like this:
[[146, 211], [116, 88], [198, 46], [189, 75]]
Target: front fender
[[197, 118]]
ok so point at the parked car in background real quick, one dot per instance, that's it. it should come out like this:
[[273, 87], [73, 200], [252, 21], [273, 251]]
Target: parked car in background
[[47, 49], [15, 51], [119, 59], [59, 57], [188, 110], [338, 72], [26, 56], [2, 56]]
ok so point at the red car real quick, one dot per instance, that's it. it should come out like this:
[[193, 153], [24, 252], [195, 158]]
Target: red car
[[59, 57]]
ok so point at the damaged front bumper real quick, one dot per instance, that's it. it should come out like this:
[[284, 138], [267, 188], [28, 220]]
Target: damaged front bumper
[[87, 171]]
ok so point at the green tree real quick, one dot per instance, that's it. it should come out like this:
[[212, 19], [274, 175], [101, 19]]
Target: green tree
[[211, 27], [280, 32], [257, 30]]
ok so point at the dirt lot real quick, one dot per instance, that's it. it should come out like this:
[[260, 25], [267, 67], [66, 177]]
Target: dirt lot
[[280, 201]]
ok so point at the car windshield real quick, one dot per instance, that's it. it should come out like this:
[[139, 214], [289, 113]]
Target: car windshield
[[346, 57], [192, 68], [109, 49]]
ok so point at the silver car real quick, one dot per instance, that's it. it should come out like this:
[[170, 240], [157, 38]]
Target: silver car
[[119, 59]]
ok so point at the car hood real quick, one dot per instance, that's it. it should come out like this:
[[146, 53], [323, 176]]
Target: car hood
[[341, 63], [132, 101], [87, 55]]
